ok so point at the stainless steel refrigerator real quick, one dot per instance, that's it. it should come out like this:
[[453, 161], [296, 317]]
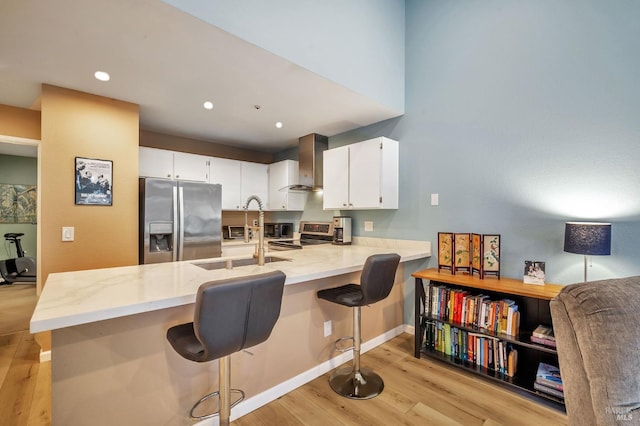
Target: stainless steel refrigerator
[[179, 220]]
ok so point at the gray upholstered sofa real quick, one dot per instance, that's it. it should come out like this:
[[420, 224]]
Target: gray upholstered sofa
[[597, 329]]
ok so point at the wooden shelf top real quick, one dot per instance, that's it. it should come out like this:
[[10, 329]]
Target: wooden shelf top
[[504, 285]]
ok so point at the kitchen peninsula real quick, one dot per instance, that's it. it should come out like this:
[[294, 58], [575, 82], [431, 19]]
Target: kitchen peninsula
[[111, 363]]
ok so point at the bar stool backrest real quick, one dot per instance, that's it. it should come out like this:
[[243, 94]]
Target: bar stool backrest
[[378, 276], [238, 313]]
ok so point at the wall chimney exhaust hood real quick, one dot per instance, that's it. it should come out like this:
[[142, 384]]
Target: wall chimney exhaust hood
[[310, 150]]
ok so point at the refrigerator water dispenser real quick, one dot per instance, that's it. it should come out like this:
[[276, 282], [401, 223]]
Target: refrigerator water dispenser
[[160, 237]]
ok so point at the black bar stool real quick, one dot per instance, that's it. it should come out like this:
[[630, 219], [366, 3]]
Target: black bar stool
[[376, 282], [230, 315]]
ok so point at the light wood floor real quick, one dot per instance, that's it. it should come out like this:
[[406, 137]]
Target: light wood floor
[[17, 302], [417, 392]]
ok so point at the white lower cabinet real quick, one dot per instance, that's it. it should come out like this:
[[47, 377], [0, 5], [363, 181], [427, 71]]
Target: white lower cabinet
[[361, 176]]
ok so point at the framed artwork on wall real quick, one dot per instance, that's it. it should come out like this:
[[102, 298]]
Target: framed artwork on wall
[[445, 251], [491, 255], [18, 203], [93, 182], [462, 251]]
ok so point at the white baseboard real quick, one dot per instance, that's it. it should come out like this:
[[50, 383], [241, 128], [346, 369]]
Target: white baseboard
[[255, 402], [409, 329]]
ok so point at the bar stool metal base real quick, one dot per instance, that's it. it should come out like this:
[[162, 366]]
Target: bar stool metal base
[[363, 384]]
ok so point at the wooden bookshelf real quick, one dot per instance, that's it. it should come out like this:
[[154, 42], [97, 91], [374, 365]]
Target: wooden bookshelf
[[533, 304]]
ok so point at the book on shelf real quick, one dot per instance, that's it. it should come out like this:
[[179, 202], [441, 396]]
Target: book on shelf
[[544, 332], [545, 342], [549, 376], [474, 349], [512, 362], [461, 307], [548, 390], [543, 335]]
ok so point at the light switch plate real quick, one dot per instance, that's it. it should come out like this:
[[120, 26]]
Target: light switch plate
[[68, 233], [327, 328], [434, 199]]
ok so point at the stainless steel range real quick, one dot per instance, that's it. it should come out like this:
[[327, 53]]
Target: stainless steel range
[[310, 233]]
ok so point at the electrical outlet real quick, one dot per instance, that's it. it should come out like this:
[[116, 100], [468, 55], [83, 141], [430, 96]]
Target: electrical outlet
[[434, 199], [368, 226], [327, 328]]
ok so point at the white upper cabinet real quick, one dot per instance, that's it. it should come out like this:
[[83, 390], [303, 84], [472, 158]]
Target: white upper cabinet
[[161, 163], [335, 178], [227, 173], [239, 180], [156, 163], [255, 181], [191, 167], [361, 176], [281, 175]]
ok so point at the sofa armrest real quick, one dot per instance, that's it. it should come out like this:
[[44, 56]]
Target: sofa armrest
[[597, 329]]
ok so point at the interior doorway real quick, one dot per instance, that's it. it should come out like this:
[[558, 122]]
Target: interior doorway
[[19, 179]]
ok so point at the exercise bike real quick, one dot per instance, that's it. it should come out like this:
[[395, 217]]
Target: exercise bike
[[19, 269]]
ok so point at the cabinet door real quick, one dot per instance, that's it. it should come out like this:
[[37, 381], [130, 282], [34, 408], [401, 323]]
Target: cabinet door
[[281, 175], [365, 174], [191, 167], [255, 181], [278, 180], [227, 173], [335, 178], [154, 162]]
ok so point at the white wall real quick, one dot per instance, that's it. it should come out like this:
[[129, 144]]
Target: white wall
[[358, 44]]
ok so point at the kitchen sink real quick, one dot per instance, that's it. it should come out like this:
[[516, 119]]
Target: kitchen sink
[[232, 263]]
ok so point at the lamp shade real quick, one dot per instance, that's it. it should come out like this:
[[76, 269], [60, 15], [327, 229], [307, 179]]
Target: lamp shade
[[588, 238]]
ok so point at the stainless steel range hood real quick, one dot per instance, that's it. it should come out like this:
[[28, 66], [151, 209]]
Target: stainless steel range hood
[[310, 150]]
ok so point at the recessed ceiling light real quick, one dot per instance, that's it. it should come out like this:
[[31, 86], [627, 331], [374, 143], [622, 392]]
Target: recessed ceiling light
[[279, 125], [208, 105], [102, 76]]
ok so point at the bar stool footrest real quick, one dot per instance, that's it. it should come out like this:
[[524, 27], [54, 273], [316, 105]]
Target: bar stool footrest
[[343, 349], [211, 395]]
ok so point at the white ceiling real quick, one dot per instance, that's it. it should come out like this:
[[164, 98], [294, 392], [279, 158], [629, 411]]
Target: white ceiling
[[169, 63]]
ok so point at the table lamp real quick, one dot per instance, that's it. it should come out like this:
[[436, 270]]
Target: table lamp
[[587, 238]]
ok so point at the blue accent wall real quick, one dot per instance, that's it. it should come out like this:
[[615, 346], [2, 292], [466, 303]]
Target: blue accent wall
[[521, 115]]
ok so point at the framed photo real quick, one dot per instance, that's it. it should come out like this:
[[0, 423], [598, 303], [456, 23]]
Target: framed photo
[[445, 251], [534, 272], [476, 254], [462, 251], [490, 255], [18, 203], [93, 182]]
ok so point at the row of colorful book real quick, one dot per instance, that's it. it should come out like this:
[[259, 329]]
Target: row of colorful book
[[459, 306], [473, 348], [543, 335], [548, 380]]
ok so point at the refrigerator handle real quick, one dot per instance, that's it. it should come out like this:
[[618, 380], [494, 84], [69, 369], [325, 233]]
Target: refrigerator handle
[[181, 215], [175, 223]]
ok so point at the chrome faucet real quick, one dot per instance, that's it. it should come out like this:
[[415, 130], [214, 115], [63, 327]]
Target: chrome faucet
[[260, 248]]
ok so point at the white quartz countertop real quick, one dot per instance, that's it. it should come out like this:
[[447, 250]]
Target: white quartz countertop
[[80, 297]]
